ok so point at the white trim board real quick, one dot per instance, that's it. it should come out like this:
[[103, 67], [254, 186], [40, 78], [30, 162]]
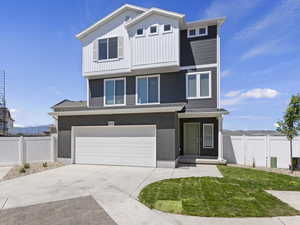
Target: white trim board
[[118, 111], [198, 66]]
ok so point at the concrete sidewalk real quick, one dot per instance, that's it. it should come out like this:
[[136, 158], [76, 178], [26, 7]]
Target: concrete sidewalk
[[4, 171], [115, 189]]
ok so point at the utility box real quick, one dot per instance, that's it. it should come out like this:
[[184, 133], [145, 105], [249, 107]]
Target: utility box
[[273, 162]]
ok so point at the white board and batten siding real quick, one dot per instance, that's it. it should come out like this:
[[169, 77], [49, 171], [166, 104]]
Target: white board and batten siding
[[115, 145], [246, 150], [113, 28], [161, 49]]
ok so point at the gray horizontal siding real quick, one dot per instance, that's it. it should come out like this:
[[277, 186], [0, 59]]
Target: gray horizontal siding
[[172, 90], [198, 50], [165, 123]]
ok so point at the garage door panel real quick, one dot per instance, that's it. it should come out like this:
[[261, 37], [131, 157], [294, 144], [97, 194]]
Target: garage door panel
[[122, 149]]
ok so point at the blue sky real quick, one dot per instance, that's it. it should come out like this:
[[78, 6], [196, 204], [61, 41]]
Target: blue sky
[[260, 54]]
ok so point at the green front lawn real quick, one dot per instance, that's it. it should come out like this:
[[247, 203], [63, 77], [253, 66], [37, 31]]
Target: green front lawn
[[240, 193]]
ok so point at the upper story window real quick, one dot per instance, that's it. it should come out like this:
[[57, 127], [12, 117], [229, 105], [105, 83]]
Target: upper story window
[[208, 135], [147, 89], [192, 32], [154, 29], [114, 92], [167, 28], [198, 85], [202, 31], [140, 32], [197, 32], [108, 48]]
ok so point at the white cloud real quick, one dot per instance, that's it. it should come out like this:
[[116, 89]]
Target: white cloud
[[229, 8], [225, 73], [233, 93], [261, 93], [286, 13], [236, 97]]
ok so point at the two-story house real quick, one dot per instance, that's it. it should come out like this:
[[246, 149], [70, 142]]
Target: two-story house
[[153, 92]]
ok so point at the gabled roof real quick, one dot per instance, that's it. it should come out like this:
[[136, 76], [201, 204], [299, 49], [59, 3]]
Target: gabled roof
[[108, 18], [157, 11], [68, 103]]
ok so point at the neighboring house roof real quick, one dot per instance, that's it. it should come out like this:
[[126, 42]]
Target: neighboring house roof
[[155, 11], [108, 18], [69, 104]]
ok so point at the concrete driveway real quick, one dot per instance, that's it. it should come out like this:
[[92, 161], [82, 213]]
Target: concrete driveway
[[115, 189]]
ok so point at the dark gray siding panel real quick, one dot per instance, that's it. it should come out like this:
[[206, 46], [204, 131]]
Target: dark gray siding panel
[[130, 90], [64, 144], [198, 50], [172, 90], [165, 124], [96, 92]]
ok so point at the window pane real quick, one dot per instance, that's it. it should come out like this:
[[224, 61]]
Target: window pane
[[202, 31], [192, 32], [208, 136], [119, 90], [140, 31], [153, 29], [142, 90], [192, 86], [113, 48], [152, 89], [167, 27], [109, 92], [103, 49], [204, 85]]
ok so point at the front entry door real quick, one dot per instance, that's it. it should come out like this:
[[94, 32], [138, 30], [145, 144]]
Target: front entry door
[[191, 140]]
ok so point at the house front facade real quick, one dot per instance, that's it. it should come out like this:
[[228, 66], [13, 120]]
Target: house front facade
[[153, 92]]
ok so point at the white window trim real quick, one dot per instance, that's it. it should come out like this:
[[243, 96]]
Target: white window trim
[[198, 74], [168, 31], [156, 33], [114, 79], [197, 34], [140, 35], [213, 136], [206, 31], [108, 60], [136, 90]]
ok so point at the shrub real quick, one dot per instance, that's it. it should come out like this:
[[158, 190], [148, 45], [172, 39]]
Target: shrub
[[45, 164], [26, 165], [22, 170]]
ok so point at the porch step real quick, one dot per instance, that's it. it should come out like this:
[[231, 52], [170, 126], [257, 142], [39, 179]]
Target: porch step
[[188, 160]]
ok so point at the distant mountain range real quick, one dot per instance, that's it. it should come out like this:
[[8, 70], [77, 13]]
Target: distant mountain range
[[29, 130]]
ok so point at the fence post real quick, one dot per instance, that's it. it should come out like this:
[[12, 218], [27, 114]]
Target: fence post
[[268, 151], [22, 154], [53, 147], [244, 148]]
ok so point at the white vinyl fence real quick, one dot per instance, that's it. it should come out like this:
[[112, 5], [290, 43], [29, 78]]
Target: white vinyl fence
[[246, 150], [17, 150]]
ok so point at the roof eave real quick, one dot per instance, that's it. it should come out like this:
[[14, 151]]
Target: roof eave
[[219, 21], [152, 11], [93, 27]]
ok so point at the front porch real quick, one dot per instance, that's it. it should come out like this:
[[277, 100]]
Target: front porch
[[201, 140]]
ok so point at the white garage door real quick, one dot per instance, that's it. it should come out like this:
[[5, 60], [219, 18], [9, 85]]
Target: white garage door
[[116, 145]]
